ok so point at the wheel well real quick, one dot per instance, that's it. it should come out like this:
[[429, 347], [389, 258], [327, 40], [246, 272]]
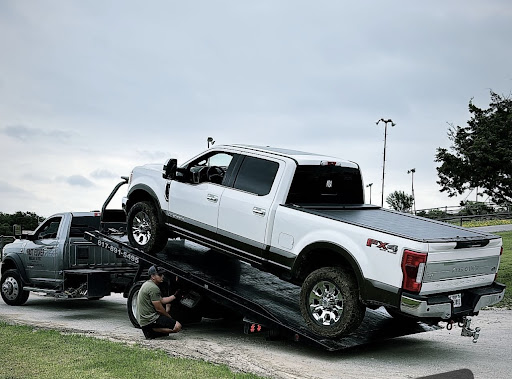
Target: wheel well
[[141, 195], [324, 255], [8, 265]]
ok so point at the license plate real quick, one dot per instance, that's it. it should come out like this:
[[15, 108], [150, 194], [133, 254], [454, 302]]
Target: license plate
[[457, 299]]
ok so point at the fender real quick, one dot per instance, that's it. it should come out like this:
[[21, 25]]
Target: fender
[[149, 191], [14, 261], [340, 254]]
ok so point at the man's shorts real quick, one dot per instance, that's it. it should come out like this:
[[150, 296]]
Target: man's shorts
[[161, 322]]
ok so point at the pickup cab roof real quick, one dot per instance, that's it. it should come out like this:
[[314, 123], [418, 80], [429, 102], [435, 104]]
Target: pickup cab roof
[[300, 157]]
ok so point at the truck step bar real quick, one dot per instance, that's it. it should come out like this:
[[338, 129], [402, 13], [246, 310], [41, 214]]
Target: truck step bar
[[256, 295]]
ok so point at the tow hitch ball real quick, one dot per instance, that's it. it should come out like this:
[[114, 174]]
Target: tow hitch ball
[[466, 331]]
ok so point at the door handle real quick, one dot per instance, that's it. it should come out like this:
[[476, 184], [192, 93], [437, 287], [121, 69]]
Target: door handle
[[212, 198], [259, 211]]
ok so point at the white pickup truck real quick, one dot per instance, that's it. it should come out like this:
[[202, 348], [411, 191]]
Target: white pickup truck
[[302, 217]]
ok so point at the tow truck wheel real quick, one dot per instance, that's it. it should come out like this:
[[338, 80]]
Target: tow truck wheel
[[144, 229], [132, 304], [329, 302], [12, 288]]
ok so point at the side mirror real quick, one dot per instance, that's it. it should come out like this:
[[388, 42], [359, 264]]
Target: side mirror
[[170, 168]]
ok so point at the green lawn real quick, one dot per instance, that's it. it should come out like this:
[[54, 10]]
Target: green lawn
[[29, 353], [505, 271]]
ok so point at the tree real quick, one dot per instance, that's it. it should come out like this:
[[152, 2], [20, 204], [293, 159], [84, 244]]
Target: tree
[[481, 156], [27, 220], [400, 201]]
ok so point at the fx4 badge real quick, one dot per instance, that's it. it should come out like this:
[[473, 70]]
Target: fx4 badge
[[384, 246]]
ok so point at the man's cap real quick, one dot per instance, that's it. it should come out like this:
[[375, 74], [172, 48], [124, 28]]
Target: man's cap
[[153, 270]]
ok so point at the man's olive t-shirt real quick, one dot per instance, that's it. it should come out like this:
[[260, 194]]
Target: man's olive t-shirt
[[146, 312]]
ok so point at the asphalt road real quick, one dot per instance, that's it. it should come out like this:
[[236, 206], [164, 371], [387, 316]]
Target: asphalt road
[[413, 356]]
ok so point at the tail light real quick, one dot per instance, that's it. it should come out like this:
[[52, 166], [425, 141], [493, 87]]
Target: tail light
[[413, 266]]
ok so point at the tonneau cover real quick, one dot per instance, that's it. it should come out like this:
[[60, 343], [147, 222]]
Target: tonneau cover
[[399, 224]]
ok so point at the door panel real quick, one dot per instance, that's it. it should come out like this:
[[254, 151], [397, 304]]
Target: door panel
[[245, 210]]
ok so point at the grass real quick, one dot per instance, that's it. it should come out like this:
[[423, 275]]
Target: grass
[[31, 353], [473, 224], [505, 271]]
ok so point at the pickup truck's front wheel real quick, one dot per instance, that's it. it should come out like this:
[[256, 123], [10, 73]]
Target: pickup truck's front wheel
[[329, 302], [144, 229], [12, 288]]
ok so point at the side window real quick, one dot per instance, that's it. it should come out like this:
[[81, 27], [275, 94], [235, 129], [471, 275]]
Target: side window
[[49, 229], [256, 175], [210, 168]]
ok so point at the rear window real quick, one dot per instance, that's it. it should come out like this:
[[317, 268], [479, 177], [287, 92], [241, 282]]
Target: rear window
[[80, 225], [326, 185]]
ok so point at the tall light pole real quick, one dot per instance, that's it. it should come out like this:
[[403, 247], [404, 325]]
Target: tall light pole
[[370, 185], [412, 171], [210, 140], [384, 155]]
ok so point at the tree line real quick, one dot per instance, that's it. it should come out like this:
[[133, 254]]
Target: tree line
[[27, 220]]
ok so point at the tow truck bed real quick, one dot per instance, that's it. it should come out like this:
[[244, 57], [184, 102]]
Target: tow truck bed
[[258, 296]]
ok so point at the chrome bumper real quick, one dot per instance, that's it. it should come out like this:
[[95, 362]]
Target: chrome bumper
[[422, 308]]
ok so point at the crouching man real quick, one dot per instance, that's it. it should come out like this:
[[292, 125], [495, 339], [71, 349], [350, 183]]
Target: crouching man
[[153, 309]]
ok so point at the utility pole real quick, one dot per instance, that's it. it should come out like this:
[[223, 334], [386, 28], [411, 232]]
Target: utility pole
[[384, 155], [412, 171], [370, 185]]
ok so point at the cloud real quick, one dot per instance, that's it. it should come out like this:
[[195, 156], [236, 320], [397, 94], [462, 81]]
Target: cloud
[[76, 180], [102, 173], [153, 156], [9, 189], [25, 133]]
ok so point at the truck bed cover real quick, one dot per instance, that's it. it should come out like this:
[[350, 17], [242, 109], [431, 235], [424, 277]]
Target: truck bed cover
[[399, 224]]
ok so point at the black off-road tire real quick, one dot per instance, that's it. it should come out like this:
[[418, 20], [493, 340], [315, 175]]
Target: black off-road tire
[[329, 302], [11, 287], [131, 304], [145, 232]]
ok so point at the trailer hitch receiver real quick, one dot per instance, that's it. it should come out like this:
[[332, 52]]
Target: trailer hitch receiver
[[467, 331]]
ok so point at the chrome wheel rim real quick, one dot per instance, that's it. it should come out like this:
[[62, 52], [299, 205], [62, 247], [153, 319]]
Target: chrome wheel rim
[[326, 303], [134, 303], [10, 288], [141, 228]]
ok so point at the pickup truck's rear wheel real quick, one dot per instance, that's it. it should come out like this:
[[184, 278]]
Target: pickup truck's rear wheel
[[144, 230], [329, 302], [12, 288]]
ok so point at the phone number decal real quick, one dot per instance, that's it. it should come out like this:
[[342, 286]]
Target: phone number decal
[[119, 252]]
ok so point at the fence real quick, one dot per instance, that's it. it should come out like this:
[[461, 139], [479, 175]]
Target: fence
[[471, 211]]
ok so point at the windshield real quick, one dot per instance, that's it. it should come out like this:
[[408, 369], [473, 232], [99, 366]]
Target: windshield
[[320, 185]]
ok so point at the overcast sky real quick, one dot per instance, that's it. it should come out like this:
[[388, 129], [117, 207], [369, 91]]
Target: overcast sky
[[90, 89]]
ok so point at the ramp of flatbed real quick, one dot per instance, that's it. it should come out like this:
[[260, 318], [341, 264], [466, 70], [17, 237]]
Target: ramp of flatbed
[[261, 295]]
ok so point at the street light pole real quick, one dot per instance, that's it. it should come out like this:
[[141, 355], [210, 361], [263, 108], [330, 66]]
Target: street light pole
[[384, 155], [210, 140], [412, 171], [370, 185]]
